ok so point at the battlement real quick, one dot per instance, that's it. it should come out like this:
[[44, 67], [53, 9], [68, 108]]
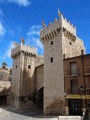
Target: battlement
[[51, 25], [68, 25], [52, 30], [23, 48], [57, 22]]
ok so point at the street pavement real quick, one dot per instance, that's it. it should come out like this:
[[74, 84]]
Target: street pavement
[[7, 113]]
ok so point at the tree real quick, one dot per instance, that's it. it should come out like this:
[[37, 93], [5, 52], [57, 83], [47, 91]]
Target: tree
[[4, 65]]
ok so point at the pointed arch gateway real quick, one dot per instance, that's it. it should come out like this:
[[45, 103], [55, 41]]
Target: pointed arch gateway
[[40, 98]]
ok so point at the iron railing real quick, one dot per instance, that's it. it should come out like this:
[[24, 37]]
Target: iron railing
[[79, 91], [77, 72], [70, 91]]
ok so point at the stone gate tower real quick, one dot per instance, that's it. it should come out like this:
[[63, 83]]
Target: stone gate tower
[[60, 41], [23, 78]]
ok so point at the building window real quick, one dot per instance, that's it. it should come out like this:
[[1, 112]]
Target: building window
[[73, 68], [51, 59], [29, 66], [16, 66], [70, 43], [51, 42], [74, 86]]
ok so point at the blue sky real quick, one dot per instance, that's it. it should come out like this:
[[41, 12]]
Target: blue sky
[[22, 18]]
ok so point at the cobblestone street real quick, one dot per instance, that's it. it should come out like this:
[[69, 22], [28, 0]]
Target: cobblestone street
[[6, 113]]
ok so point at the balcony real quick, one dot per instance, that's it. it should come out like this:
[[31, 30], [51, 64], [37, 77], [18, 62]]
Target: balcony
[[78, 91], [87, 71]]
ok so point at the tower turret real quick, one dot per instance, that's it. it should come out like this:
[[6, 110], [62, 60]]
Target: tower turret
[[60, 41], [23, 79], [51, 37]]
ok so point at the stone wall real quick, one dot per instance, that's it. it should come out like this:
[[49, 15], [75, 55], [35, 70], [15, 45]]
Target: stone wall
[[15, 83], [4, 75], [5, 86], [69, 47], [53, 71], [56, 107], [60, 40], [27, 84], [39, 60], [23, 77]]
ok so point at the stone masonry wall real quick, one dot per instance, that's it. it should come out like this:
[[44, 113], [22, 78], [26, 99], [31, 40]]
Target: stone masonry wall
[[23, 77], [15, 84], [53, 73]]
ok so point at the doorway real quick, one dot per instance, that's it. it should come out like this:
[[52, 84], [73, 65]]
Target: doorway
[[75, 107], [3, 100], [40, 98]]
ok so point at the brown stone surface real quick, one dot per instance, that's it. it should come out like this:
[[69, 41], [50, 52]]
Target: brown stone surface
[[5, 86], [56, 108]]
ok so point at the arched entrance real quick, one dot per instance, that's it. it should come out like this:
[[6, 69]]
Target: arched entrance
[[3, 100], [40, 98]]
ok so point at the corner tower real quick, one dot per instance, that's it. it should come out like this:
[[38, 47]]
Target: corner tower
[[23, 76], [51, 37], [60, 41]]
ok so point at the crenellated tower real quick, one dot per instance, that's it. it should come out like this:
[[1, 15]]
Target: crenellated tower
[[60, 41], [23, 76]]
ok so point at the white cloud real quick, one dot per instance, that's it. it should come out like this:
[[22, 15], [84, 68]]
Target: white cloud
[[35, 42], [34, 30], [39, 44], [19, 2], [33, 38], [2, 29], [8, 52]]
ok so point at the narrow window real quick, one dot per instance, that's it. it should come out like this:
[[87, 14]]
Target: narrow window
[[51, 60], [16, 66], [51, 42], [70, 43], [73, 68], [74, 86], [29, 66]]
